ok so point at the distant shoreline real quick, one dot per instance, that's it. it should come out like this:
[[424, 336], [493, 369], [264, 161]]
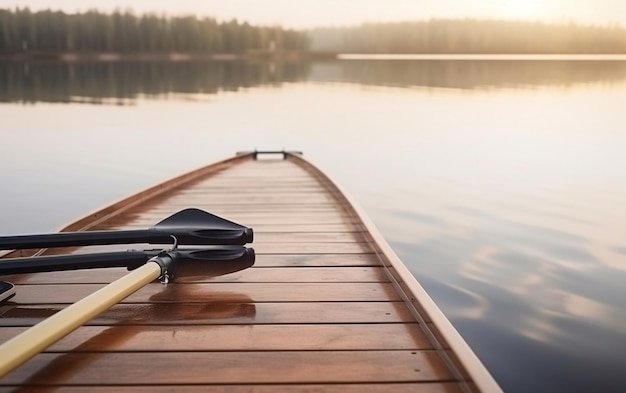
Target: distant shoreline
[[486, 56], [70, 57], [173, 57]]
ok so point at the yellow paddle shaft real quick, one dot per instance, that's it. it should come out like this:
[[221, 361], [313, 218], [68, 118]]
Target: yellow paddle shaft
[[34, 340]]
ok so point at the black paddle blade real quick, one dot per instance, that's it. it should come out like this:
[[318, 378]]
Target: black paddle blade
[[203, 263], [197, 227]]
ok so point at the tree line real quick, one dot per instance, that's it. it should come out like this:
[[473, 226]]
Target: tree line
[[470, 36], [124, 32]]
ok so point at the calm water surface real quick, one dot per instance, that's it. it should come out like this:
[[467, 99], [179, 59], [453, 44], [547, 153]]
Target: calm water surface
[[501, 184]]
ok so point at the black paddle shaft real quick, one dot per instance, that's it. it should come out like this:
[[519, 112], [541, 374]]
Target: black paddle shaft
[[70, 239], [54, 263]]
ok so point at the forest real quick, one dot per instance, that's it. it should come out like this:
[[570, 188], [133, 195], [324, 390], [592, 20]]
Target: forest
[[124, 32], [471, 36]]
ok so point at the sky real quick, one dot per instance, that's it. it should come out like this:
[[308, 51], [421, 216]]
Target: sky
[[314, 13]]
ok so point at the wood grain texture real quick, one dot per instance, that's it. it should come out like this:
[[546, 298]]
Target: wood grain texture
[[421, 387], [313, 337], [114, 368], [217, 292], [234, 308]]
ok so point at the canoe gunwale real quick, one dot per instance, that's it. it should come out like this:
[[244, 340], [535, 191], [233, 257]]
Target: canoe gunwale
[[414, 295]]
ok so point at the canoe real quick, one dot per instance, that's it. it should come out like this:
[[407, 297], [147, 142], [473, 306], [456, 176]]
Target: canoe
[[327, 306]]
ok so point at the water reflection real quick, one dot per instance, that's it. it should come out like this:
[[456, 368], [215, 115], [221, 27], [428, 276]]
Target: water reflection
[[472, 74], [120, 83], [115, 82], [543, 289]]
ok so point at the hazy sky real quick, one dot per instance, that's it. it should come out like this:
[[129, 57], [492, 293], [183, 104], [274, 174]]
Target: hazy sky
[[307, 13]]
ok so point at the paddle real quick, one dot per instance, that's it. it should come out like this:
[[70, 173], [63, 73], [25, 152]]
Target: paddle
[[166, 264], [220, 259], [189, 226]]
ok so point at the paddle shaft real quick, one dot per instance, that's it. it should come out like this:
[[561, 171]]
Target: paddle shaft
[[52, 263], [189, 236], [34, 340], [70, 239]]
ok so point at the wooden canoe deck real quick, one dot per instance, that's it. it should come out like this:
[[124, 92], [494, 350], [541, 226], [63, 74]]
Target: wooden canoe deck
[[318, 311]]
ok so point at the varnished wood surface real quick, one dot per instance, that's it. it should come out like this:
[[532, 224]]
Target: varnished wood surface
[[317, 312], [234, 308], [214, 291], [133, 368], [422, 387], [313, 337]]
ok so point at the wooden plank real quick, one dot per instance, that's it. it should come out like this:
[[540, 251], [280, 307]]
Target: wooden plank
[[301, 260], [267, 191], [241, 310], [265, 248], [237, 337], [296, 208], [147, 221], [311, 237], [259, 176], [269, 215], [304, 274], [421, 387], [295, 228], [264, 188], [276, 199], [229, 367], [215, 292], [258, 228], [332, 211], [133, 219], [249, 221], [312, 248]]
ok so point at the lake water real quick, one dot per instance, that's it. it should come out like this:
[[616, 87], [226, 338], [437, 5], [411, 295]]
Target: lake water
[[500, 183]]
